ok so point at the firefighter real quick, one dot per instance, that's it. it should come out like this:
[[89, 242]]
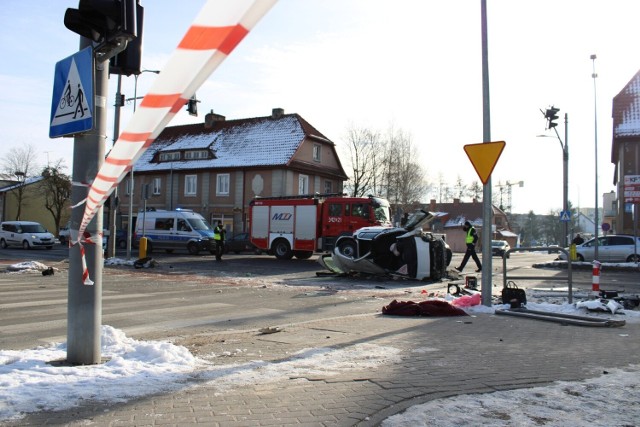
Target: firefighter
[[218, 236], [471, 239]]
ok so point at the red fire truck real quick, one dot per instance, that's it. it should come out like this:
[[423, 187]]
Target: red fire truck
[[302, 225]]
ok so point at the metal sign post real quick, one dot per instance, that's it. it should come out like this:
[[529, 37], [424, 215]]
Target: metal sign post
[[84, 311]]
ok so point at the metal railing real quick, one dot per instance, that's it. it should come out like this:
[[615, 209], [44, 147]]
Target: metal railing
[[568, 277]]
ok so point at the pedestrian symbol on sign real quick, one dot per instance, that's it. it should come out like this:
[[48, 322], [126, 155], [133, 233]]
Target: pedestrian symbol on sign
[[565, 216]]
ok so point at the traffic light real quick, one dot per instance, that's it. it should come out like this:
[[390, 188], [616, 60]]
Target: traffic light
[[106, 22], [129, 61], [551, 115], [192, 106]]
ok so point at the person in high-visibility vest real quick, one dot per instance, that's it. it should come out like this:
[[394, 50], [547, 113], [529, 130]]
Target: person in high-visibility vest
[[471, 239], [218, 236]]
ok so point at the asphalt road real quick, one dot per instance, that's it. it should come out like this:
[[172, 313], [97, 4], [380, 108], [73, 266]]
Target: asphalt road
[[187, 298]]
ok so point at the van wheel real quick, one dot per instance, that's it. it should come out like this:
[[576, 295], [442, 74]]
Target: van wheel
[[62, 240], [26, 245], [3, 244], [282, 249], [193, 249], [122, 244], [303, 254]]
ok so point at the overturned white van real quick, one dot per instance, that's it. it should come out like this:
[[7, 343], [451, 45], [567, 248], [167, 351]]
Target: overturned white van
[[174, 230]]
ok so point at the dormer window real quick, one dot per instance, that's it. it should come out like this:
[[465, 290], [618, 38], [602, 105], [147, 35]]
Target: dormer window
[[316, 152], [196, 154], [169, 157]]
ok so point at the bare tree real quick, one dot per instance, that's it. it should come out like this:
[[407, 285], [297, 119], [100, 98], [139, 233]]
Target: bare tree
[[364, 148], [443, 190], [476, 191], [56, 191], [20, 162], [403, 179], [460, 189]]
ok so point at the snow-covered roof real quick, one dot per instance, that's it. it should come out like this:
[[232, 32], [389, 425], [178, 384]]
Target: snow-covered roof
[[261, 141], [28, 181], [460, 220], [626, 110]]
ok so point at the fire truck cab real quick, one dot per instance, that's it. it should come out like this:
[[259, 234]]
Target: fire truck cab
[[302, 225]]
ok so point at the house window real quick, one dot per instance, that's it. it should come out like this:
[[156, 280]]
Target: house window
[[316, 152], [196, 154], [303, 184], [328, 187], [157, 186], [169, 157], [190, 185], [222, 184]]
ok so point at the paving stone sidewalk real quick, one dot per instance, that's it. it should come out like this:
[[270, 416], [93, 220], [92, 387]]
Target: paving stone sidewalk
[[439, 357]]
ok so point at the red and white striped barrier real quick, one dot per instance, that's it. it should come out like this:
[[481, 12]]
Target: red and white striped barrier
[[215, 32], [595, 286]]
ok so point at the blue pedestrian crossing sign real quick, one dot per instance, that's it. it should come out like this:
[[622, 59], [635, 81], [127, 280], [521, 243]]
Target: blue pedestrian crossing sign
[[565, 216], [72, 101]]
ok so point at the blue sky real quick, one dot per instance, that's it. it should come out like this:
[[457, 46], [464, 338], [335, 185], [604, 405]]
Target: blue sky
[[372, 63]]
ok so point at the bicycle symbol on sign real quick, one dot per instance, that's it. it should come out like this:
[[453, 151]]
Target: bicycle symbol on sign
[[67, 99]]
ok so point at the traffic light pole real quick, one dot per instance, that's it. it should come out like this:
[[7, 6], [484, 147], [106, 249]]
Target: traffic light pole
[[84, 308]]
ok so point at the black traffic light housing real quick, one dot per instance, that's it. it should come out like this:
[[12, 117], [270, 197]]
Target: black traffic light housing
[[192, 106], [129, 61], [109, 23], [551, 115]]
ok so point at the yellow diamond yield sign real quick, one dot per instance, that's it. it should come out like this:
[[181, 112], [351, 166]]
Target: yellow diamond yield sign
[[484, 157]]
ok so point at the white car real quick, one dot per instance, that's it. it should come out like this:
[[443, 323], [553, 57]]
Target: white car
[[611, 248], [27, 234]]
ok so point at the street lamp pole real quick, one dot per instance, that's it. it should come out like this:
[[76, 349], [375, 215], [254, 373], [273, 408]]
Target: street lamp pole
[[595, 127], [130, 222]]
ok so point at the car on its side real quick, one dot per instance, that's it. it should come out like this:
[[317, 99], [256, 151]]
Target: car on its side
[[240, 243], [611, 248], [27, 234], [500, 248], [405, 251]]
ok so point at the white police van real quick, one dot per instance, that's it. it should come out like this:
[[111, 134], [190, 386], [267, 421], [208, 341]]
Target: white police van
[[171, 230]]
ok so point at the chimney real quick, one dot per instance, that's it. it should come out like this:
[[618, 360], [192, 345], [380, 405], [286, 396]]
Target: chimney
[[456, 202], [211, 118], [432, 205], [276, 113]]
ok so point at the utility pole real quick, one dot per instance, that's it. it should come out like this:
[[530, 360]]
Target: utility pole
[[487, 219], [106, 27], [84, 311]]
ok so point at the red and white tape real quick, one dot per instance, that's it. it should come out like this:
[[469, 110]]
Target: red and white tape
[[216, 31]]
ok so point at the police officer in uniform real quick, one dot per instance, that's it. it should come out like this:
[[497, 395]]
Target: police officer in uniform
[[471, 239], [218, 236]]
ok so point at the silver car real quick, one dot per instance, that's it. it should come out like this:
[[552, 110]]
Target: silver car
[[611, 248]]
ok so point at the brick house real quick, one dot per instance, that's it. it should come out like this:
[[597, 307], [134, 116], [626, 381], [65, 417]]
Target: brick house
[[451, 217], [625, 149], [217, 167]]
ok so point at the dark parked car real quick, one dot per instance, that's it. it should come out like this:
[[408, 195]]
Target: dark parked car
[[240, 243]]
